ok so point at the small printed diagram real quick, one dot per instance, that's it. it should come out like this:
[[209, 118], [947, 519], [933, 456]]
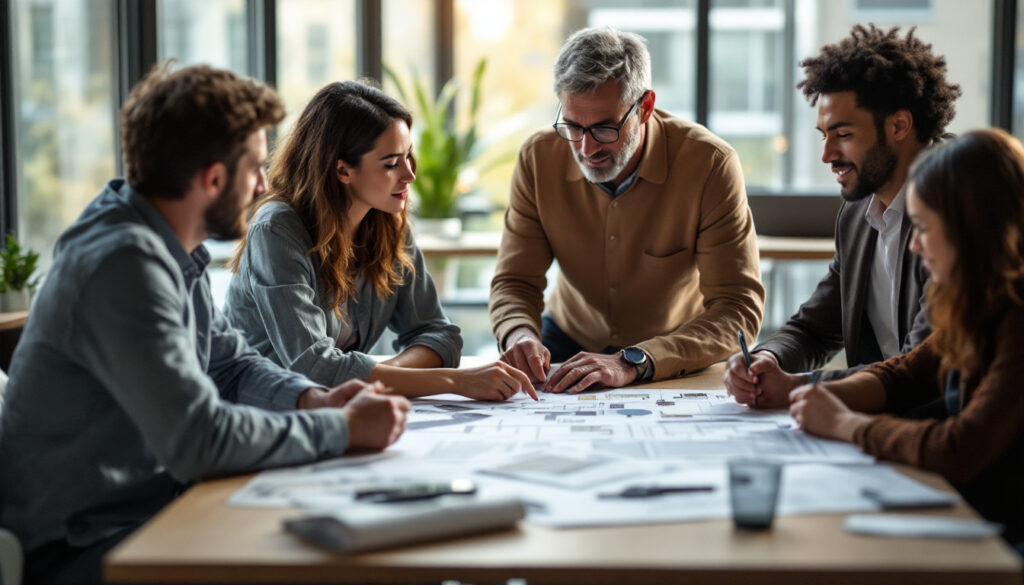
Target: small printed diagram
[[660, 425]]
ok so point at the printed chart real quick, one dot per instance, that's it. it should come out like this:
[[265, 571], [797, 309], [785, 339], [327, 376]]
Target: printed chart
[[568, 456]]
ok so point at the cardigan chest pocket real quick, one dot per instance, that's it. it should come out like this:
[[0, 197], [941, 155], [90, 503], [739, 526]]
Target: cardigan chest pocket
[[673, 267]]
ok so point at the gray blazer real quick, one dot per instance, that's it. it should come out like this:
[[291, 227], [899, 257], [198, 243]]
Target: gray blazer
[[835, 317], [276, 300]]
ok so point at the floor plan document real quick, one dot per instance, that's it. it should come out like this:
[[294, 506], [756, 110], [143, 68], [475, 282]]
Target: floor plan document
[[568, 456]]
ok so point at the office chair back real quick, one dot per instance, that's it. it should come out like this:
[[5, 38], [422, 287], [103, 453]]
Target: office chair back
[[11, 558]]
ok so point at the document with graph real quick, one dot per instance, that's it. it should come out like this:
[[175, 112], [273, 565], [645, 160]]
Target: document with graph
[[571, 458]]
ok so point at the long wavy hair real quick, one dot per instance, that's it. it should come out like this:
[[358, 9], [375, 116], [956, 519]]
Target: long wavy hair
[[975, 183], [342, 122]]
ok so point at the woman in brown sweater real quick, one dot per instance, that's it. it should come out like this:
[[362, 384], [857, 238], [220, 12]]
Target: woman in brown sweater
[[955, 404]]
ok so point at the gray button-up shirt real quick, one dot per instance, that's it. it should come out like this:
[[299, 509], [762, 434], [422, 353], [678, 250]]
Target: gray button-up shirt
[[276, 299], [121, 388]]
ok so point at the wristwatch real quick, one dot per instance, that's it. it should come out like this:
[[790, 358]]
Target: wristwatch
[[636, 357]]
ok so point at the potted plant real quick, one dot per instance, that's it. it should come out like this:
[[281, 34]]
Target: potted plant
[[442, 152], [17, 268]]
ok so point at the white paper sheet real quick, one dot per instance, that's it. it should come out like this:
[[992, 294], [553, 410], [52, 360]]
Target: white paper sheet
[[640, 437]]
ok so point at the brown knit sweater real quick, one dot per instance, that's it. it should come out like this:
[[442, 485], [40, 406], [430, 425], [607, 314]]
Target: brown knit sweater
[[980, 450], [670, 266]]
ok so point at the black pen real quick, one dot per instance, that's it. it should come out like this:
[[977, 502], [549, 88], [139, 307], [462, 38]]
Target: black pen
[[746, 360], [815, 377], [416, 491], [650, 491]]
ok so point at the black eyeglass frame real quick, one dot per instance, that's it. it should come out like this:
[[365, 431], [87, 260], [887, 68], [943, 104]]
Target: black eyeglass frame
[[590, 129]]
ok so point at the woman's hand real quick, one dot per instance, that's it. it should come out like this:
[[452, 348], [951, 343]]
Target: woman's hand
[[495, 381], [819, 412]]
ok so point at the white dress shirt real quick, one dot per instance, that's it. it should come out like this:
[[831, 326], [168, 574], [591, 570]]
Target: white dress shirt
[[883, 293]]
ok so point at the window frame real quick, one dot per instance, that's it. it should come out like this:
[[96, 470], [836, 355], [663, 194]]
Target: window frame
[[779, 212], [8, 156]]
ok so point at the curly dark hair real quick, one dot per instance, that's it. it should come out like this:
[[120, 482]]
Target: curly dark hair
[[888, 74], [174, 124]]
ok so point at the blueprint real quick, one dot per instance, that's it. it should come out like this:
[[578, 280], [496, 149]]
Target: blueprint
[[566, 453], [651, 425]]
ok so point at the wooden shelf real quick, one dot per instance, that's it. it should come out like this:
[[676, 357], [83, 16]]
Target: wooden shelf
[[13, 320]]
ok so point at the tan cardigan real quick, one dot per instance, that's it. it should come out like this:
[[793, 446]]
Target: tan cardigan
[[671, 265]]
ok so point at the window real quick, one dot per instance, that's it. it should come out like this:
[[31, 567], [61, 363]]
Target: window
[[316, 44], [318, 65], [519, 40], [408, 42], [41, 17], [886, 11], [1018, 77], [961, 32], [63, 111], [670, 31], [754, 48], [748, 85], [65, 74], [204, 31]]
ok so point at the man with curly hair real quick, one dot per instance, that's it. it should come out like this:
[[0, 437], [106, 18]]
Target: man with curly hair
[[881, 99], [128, 383]]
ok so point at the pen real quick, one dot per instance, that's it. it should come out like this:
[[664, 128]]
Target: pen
[[815, 377], [416, 491], [650, 491], [746, 360]]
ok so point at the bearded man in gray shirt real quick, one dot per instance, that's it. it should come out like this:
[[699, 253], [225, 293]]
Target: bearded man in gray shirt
[[128, 383]]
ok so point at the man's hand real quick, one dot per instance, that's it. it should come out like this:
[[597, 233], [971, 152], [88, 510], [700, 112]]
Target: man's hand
[[525, 352], [497, 381], [375, 420], [336, 397], [773, 385], [586, 369], [819, 412]]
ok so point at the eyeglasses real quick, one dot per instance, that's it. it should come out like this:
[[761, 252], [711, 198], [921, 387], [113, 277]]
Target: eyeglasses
[[601, 133]]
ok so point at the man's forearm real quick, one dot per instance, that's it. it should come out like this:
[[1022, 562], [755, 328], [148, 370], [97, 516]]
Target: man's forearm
[[518, 333]]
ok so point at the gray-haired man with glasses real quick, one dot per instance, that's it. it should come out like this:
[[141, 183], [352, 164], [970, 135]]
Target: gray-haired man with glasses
[[647, 217], [599, 132]]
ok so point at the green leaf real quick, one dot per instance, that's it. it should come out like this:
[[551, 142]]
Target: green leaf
[[390, 74], [423, 103], [17, 267], [442, 149], [474, 103]]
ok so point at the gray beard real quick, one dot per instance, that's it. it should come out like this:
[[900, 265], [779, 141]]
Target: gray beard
[[619, 161]]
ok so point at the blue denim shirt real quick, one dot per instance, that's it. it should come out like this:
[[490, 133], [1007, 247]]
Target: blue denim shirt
[[123, 384], [276, 300]]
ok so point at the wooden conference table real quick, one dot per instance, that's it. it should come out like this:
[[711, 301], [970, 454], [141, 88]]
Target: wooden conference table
[[200, 539]]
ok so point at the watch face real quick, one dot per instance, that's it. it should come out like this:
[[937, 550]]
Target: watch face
[[634, 355]]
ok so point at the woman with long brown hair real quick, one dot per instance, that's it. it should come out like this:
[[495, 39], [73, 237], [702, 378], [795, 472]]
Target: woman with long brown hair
[[329, 261], [966, 202]]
